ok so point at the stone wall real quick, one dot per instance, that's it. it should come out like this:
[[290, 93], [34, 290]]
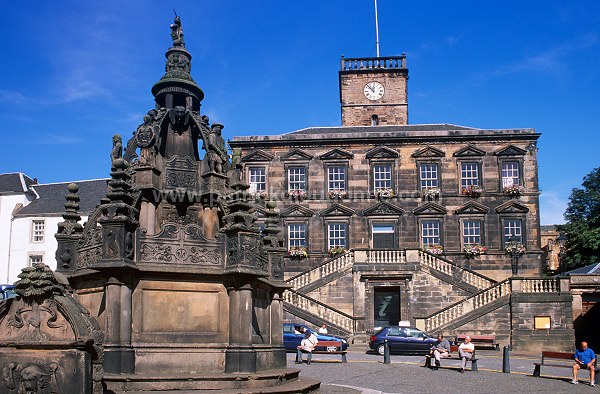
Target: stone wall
[[407, 208], [558, 306], [391, 109]]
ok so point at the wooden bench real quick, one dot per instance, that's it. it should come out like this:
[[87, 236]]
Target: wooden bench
[[329, 347], [552, 359], [453, 355], [480, 340]]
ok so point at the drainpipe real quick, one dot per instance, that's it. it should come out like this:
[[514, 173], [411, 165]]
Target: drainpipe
[[12, 218]]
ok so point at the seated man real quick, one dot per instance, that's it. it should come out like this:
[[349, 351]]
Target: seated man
[[307, 345], [465, 352], [585, 358], [439, 350]]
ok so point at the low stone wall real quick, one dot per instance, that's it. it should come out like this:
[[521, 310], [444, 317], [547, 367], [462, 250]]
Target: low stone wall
[[558, 306]]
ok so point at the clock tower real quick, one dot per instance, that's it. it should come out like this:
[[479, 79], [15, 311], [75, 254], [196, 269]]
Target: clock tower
[[373, 91]]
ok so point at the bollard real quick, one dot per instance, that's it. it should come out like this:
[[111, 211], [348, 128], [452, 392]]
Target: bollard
[[386, 352], [506, 360]]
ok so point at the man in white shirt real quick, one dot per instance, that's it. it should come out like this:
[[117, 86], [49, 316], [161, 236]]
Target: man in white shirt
[[465, 352], [323, 329], [307, 346]]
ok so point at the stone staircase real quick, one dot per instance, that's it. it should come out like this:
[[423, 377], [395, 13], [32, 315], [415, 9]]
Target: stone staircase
[[479, 304], [322, 274], [309, 309], [299, 304]]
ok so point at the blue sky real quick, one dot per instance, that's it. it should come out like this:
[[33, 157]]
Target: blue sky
[[74, 73]]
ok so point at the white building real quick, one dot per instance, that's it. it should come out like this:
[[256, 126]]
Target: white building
[[29, 216]]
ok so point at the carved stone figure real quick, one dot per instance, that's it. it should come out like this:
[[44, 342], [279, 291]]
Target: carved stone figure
[[177, 32], [145, 137], [178, 61], [117, 150], [34, 380], [112, 244], [129, 245], [216, 153], [179, 140], [65, 257]]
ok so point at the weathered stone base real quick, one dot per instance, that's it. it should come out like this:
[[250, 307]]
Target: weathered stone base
[[272, 381], [119, 359], [534, 341]]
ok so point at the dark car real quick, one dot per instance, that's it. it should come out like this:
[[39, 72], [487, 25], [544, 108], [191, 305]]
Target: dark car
[[7, 291], [293, 334], [407, 340]]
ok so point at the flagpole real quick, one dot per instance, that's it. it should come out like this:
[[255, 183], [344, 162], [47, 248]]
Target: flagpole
[[376, 29]]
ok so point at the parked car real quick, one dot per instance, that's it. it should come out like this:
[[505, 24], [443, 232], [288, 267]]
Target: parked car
[[7, 291], [407, 340], [293, 334]]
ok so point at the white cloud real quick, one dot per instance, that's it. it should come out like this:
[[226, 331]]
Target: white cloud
[[552, 208], [553, 60]]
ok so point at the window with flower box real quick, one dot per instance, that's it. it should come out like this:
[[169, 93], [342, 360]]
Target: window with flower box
[[336, 179], [296, 235], [469, 174], [382, 177], [471, 232], [296, 178], [257, 178], [337, 234], [430, 233], [510, 173], [429, 176], [513, 227]]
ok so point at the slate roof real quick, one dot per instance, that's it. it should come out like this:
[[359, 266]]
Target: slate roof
[[586, 270], [388, 132], [15, 182], [52, 200], [362, 129]]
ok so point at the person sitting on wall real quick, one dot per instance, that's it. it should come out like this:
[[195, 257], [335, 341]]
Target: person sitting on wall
[[585, 358], [323, 329], [307, 346], [439, 350], [465, 352]]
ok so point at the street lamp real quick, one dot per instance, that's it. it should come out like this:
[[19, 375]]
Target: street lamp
[[561, 240], [514, 246]]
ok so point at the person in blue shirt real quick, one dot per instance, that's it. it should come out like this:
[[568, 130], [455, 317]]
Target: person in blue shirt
[[585, 358]]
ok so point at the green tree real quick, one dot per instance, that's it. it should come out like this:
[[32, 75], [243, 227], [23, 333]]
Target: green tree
[[582, 226]]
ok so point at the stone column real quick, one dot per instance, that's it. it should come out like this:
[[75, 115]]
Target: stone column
[[119, 356], [279, 353], [240, 355], [148, 217], [277, 318]]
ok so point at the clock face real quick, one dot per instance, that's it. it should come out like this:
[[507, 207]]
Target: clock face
[[374, 90]]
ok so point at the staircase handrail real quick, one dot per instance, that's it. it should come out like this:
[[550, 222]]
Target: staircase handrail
[[469, 304], [487, 296], [482, 282], [339, 318], [297, 283]]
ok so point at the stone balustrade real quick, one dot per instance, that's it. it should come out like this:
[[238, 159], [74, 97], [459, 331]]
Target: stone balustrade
[[483, 298], [338, 264], [540, 285], [367, 63], [386, 256], [469, 277], [465, 306], [322, 311]]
